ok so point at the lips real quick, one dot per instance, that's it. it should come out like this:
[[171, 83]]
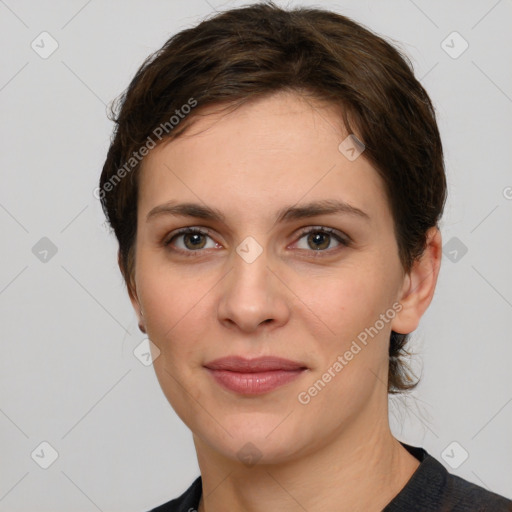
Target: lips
[[254, 376], [259, 364]]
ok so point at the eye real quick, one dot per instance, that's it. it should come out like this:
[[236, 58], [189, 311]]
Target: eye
[[319, 239], [190, 240]]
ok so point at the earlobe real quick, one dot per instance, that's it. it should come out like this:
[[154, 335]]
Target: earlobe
[[132, 293], [419, 285], [142, 327]]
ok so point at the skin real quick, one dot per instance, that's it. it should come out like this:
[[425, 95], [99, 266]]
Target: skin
[[294, 301]]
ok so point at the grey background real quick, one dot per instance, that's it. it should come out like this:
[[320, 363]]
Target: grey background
[[68, 373]]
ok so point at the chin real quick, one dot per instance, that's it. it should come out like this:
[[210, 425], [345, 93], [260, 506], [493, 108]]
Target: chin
[[254, 439]]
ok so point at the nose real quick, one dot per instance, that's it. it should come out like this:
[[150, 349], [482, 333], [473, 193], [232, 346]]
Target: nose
[[252, 296]]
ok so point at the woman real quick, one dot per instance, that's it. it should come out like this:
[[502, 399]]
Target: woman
[[275, 184]]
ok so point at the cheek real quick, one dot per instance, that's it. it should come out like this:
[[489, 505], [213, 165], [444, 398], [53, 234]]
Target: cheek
[[176, 312], [174, 303], [349, 300]]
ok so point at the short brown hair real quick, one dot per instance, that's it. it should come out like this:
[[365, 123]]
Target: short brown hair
[[249, 52]]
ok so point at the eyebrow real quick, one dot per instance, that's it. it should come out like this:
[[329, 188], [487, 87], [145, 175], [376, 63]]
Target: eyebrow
[[287, 214]]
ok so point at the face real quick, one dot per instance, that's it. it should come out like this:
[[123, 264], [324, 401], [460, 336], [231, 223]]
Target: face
[[274, 273]]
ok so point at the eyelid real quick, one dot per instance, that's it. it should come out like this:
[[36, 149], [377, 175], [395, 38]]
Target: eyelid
[[184, 231], [342, 237]]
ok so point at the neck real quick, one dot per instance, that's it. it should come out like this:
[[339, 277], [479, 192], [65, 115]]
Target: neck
[[359, 469]]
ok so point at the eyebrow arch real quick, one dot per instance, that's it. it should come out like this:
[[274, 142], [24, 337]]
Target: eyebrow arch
[[287, 214]]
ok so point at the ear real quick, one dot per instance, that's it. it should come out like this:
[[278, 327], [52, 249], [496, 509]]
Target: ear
[[419, 285], [132, 293]]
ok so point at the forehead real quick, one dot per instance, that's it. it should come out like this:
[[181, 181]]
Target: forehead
[[275, 150]]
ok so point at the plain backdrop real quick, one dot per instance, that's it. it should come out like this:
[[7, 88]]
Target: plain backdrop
[[69, 376]]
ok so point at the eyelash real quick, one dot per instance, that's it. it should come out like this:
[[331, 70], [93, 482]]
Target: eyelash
[[344, 240]]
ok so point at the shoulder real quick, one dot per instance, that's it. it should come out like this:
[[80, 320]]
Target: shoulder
[[187, 502], [466, 495], [433, 488]]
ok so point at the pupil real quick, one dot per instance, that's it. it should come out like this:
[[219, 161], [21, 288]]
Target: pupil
[[194, 239], [317, 238]]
